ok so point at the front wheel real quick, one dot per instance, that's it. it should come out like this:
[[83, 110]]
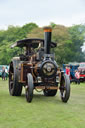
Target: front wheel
[[29, 88], [65, 88]]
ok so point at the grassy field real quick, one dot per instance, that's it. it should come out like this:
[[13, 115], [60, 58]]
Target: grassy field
[[43, 112]]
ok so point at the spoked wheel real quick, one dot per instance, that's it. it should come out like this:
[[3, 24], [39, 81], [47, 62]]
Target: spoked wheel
[[11, 77], [30, 87], [65, 88], [49, 92], [15, 89]]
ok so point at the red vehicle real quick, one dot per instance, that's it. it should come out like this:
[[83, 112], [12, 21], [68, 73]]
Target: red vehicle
[[81, 69]]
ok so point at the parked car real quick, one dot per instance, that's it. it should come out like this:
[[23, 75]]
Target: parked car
[[37, 69], [81, 69]]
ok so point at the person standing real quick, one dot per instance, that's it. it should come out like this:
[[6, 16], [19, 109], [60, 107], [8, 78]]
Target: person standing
[[68, 71], [77, 76], [3, 73], [6, 73]]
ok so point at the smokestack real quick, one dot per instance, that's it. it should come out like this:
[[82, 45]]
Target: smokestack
[[47, 39]]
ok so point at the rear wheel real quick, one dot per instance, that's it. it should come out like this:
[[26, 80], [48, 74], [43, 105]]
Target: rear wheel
[[29, 88], [15, 89], [49, 92], [65, 88]]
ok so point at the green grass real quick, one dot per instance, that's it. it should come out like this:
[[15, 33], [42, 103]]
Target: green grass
[[43, 112]]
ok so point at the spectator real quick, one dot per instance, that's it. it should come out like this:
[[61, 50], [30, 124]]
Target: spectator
[[68, 71], [6, 73], [3, 73], [77, 76]]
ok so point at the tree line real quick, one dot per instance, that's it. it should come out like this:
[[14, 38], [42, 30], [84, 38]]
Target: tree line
[[69, 41]]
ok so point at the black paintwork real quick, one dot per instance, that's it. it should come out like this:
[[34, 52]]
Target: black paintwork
[[31, 42]]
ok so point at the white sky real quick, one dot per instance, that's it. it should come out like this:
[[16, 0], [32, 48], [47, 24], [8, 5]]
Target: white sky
[[41, 12]]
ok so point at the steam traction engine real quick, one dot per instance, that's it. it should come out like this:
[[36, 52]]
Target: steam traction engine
[[37, 69]]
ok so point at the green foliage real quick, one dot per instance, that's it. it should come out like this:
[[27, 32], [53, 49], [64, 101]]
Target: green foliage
[[76, 36], [10, 36], [28, 28], [36, 33], [69, 41], [52, 24]]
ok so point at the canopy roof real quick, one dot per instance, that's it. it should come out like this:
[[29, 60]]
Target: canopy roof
[[33, 42]]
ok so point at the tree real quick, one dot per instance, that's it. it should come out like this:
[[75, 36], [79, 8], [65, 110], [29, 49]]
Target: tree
[[69, 41]]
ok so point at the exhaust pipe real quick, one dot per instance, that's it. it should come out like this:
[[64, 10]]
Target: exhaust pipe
[[47, 39]]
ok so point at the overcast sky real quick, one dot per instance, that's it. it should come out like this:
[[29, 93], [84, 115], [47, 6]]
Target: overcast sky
[[42, 12]]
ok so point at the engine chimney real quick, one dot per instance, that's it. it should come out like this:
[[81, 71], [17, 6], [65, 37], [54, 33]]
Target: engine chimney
[[47, 39]]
